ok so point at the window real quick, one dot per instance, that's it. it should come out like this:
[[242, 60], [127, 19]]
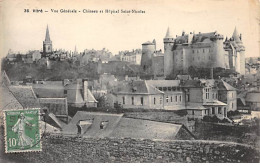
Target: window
[[174, 88], [160, 100], [193, 51], [123, 99], [207, 93], [225, 112], [192, 112], [169, 88], [164, 88], [142, 101], [176, 98], [65, 92], [160, 88], [232, 105], [180, 98], [213, 110], [171, 98], [205, 112], [212, 95], [154, 100], [203, 50], [133, 102], [187, 97], [167, 99], [219, 110]]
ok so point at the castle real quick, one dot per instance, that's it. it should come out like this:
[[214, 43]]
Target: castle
[[202, 50]]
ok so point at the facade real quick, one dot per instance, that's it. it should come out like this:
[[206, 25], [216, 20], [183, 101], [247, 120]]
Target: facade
[[47, 43], [139, 94], [133, 57], [202, 50], [227, 94], [173, 98], [201, 98]]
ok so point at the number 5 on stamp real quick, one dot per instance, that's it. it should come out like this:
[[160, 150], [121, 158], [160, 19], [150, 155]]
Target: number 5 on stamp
[[22, 130]]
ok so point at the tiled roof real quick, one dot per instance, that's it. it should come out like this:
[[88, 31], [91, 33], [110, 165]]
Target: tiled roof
[[49, 90], [25, 95], [253, 97]]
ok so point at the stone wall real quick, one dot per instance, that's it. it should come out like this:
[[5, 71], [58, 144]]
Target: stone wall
[[76, 149]]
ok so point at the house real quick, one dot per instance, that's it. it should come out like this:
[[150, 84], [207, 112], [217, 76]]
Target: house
[[201, 97], [139, 94], [174, 97], [227, 94], [77, 92], [105, 125]]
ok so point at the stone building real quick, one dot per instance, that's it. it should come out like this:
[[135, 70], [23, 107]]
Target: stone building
[[202, 50]]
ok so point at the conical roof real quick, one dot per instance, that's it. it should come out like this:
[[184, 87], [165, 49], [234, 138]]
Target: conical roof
[[47, 36], [236, 36], [168, 33]]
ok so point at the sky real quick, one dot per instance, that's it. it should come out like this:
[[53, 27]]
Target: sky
[[21, 31]]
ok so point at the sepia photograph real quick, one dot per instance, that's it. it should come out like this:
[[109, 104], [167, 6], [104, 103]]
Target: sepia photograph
[[130, 81]]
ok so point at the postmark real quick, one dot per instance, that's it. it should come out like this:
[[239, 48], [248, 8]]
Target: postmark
[[22, 130]]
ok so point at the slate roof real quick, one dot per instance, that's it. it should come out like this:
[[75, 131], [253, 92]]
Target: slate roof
[[7, 99], [58, 106], [49, 90], [163, 83], [25, 95], [253, 96], [198, 83], [214, 103], [222, 85], [119, 127], [138, 87]]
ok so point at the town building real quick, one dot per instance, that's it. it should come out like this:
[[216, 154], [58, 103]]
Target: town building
[[201, 99], [139, 94]]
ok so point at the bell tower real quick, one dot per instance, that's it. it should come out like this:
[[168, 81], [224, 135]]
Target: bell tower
[[47, 43]]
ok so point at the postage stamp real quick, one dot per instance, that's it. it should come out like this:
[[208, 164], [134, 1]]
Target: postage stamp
[[22, 130]]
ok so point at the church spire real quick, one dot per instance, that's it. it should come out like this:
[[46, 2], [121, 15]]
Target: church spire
[[47, 36], [168, 33]]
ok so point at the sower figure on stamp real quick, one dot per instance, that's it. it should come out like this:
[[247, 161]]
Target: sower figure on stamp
[[19, 127]]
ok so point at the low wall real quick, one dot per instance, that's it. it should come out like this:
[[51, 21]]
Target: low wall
[[72, 149]]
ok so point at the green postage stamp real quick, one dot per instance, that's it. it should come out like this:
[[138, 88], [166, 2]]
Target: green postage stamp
[[22, 130]]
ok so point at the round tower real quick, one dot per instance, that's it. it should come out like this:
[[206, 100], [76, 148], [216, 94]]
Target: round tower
[[217, 52], [148, 48], [168, 53]]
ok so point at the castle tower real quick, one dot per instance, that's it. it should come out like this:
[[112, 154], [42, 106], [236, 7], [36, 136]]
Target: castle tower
[[240, 52], [148, 49], [168, 53], [47, 43], [218, 52]]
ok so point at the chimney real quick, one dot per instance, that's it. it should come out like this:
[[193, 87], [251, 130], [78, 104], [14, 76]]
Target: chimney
[[85, 89], [211, 73]]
